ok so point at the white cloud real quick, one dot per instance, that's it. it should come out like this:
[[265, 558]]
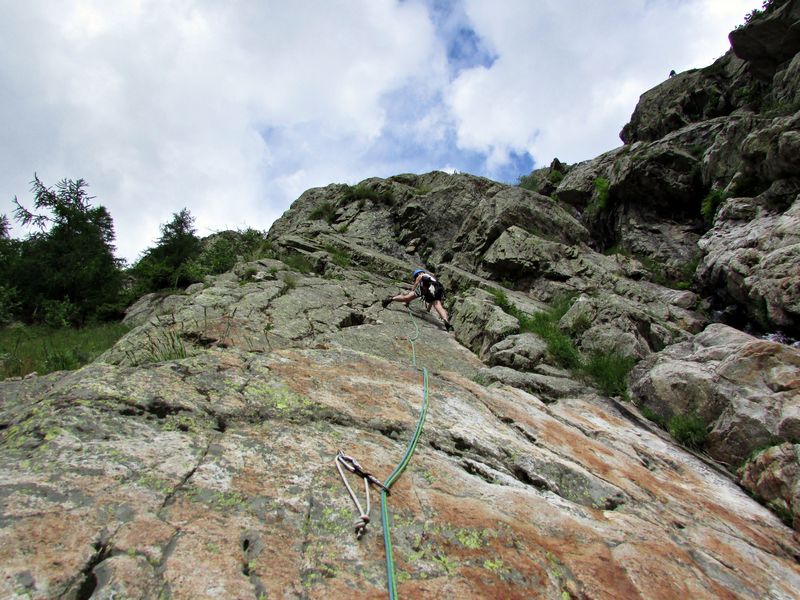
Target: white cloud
[[232, 109], [160, 105], [566, 81]]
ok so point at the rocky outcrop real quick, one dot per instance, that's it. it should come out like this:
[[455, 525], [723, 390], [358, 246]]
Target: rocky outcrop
[[770, 38], [212, 475], [745, 393], [746, 390], [194, 459], [751, 257], [729, 131], [774, 476], [757, 73], [689, 97]]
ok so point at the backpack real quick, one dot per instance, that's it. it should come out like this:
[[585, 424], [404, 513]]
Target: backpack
[[431, 289]]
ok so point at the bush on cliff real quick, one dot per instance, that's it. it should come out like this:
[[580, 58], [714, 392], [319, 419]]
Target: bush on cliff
[[545, 325], [166, 265], [609, 372], [689, 430]]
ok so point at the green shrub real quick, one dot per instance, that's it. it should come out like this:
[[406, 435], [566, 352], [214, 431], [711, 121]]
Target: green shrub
[[339, 257], [687, 273], [599, 202], [9, 304], [766, 7], [42, 349], [555, 177], [324, 211], [653, 416], [609, 372], [221, 252], [360, 192], [710, 204], [289, 282], [529, 182], [298, 262], [248, 276], [59, 313], [656, 269], [545, 325], [616, 248], [602, 185], [689, 430]]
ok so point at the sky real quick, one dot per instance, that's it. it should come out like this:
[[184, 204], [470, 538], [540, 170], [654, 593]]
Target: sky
[[233, 108]]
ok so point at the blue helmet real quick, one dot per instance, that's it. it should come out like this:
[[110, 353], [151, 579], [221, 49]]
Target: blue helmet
[[416, 272]]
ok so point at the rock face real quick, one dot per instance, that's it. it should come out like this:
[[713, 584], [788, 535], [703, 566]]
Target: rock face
[[195, 458], [212, 475], [726, 132], [774, 476], [752, 256], [770, 41], [746, 390]]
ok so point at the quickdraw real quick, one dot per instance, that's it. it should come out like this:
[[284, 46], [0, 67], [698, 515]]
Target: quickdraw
[[351, 464]]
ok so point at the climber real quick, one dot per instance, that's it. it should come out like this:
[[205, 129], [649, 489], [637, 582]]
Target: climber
[[427, 287]]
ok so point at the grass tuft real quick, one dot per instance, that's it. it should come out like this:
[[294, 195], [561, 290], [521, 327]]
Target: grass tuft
[[339, 257], [610, 372], [689, 430], [297, 262], [710, 204], [360, 193], [324, 211], [545, 325]]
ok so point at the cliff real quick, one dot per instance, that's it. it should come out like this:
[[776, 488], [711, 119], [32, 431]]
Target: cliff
[[195, 459]]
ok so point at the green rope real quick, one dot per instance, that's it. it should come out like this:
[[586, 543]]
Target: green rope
[[398, 470]]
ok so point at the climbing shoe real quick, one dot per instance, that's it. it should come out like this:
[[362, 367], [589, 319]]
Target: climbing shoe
[[385, 302], [448, 326]]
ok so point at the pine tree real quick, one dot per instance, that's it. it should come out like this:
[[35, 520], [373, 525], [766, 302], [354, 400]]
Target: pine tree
[[165, 266], [66, 272]]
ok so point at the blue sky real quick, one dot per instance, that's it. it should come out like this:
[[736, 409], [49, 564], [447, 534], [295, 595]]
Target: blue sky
[[233, 109]]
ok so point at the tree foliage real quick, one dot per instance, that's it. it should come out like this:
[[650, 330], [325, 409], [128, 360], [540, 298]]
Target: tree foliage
[[66, 271], [166, 265]]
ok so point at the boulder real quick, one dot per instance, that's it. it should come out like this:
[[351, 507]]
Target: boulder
[[772, 152], [522, 352], [746, 390], [769, 38], [479, 323], [548, 387], [689, 97], [608, 323], [773, 476], [786, 84], [518, 255], [663, 172], [152, 305]]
